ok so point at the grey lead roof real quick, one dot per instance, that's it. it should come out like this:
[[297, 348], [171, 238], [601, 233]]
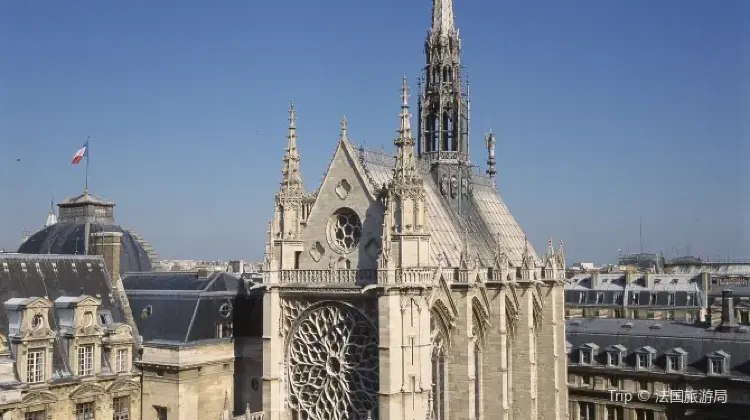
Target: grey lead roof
[[487, 219], [184, 307], [664, 337], [69, 239]]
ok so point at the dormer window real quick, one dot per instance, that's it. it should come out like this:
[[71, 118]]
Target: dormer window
[[615, 355], [644, 357], [718, 362], [676, 359], [586, 353]]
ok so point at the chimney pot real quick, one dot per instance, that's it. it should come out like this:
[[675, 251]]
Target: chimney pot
[[727, 312]]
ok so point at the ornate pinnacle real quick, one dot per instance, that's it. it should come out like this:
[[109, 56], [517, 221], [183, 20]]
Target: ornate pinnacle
[[550, 249], [291, 181], [343, 128], [406, 165]]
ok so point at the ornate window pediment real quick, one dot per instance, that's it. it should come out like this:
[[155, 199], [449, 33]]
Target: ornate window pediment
[[120, 333], [28, 318], [38, 397], [87, 390], [122, 386]]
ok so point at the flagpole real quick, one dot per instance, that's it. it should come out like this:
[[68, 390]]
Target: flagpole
[[88, 146]]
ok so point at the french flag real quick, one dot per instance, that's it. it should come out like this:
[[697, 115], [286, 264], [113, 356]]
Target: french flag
[[81, 153]]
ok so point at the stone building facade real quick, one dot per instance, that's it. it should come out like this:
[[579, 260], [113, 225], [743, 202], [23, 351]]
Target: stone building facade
[[66, 347], [403, 288], [659, 370]]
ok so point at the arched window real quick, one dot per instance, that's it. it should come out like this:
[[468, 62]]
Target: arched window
[[477, 382], [438, 374]]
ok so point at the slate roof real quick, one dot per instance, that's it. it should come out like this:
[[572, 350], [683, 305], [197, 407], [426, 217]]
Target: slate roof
[[54, 276], [185, 307], [68, 238], [664, 337], [486, 219]]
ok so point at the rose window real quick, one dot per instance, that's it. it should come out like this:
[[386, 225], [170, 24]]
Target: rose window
[[332, 364], [345, 229]]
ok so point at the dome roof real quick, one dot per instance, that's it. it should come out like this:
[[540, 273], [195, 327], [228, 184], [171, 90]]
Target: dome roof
[[79, 219]]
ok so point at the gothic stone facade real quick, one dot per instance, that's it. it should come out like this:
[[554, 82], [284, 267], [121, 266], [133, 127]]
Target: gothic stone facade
[[403, 288]]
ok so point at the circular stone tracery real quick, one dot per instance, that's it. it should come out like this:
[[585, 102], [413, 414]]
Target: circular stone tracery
[[332, 364], [345, 229]]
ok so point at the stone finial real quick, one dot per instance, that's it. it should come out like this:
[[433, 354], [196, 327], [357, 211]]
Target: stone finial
[[405, 171], [490, 142], [343, 136]]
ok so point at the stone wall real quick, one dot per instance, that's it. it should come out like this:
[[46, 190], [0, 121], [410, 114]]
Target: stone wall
[[190, 382]]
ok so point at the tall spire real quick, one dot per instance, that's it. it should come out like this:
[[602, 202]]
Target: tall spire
[[442, 16], [406, 164], [291, 181], [444, 110]]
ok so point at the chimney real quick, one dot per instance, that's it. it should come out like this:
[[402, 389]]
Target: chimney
[[650, 280], [727, 312], [630, 276], [595, 283], [705, 287], [108, 245]]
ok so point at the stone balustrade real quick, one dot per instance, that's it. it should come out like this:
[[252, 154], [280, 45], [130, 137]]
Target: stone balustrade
[[418, 275], [329, 276]]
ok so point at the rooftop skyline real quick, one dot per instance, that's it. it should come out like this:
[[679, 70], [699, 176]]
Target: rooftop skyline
[[604, 113]]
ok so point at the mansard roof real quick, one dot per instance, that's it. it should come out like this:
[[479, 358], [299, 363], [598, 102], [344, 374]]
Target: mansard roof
[[55, 277], [695, 341], [486, 221], [186, 307]]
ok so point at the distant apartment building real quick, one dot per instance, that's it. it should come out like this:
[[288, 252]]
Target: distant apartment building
[[622, 369], [637, 295]]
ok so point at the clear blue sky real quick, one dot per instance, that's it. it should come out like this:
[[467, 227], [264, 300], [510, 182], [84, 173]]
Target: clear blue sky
[[604, 110]]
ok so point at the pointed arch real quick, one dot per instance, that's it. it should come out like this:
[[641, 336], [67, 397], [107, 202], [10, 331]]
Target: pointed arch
[[440, 340]]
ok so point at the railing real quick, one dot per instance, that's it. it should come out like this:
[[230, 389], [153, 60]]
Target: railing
[[250, 416], [329, 276], [414, 276]]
